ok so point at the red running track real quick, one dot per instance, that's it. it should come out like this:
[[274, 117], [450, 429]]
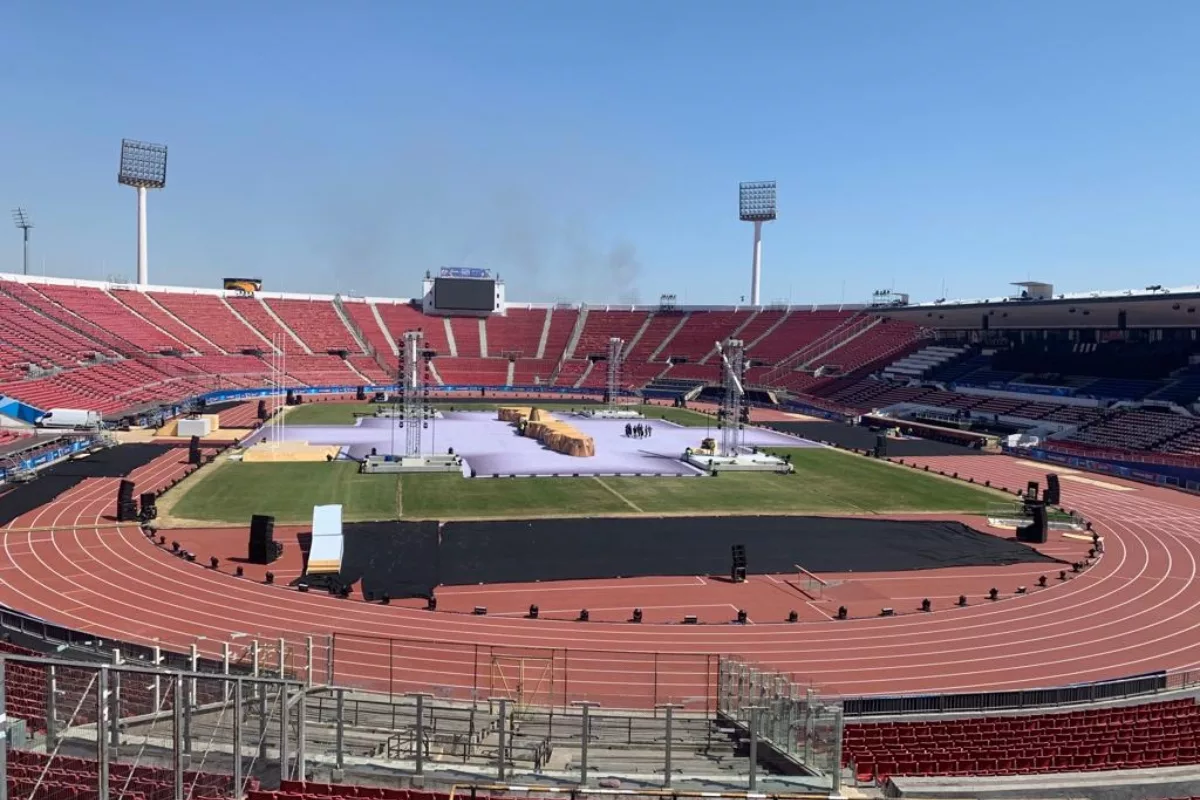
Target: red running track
[[1134, 611]]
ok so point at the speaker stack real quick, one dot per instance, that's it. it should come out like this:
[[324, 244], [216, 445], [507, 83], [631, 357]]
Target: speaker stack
[[126, 508], [360, 394], [1031, 490], [1037, 531], [262, 410], [737, 572], [881, 446], [149, 507], [263, 547], [1053, 493], [194, 451]]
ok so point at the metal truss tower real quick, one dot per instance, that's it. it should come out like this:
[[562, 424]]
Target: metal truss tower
[[729, 418], [414, 390], [277, 383], [616, 353]]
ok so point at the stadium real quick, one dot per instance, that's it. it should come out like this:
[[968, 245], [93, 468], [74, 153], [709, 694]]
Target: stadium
[[383, 542], [498, 527]]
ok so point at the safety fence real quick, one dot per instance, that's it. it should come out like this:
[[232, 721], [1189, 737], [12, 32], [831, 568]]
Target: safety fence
[[101, 729], [791, 719], [526, 676], [1141, 687]]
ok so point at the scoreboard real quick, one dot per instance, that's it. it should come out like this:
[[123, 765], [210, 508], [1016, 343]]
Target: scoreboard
[[464, 289]]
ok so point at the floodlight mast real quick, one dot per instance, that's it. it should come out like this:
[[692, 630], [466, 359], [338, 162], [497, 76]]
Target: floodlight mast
[[757, 204], [143, 166], [22, 221]]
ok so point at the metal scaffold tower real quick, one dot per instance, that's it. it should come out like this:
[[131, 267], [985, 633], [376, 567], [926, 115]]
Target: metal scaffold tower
[[414, 390], [729, 418], [277, 384], [616, 348]]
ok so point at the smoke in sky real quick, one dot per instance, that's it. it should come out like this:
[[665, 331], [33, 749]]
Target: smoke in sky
[[537, 217]]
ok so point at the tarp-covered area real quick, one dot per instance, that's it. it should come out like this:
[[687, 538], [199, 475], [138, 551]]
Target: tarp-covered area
[[112, 462], [410, 559]]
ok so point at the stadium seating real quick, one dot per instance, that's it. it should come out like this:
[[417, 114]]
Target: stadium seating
[[146, 308], [213, 318], [316, 323], [61, 776], [1132, 737]]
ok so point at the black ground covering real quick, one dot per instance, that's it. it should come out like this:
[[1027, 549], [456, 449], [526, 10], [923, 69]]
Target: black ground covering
[[857, 437], [115, 462], [410, 559]]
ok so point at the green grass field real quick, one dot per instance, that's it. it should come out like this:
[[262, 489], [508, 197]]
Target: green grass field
[[825, 482], [343, 413]]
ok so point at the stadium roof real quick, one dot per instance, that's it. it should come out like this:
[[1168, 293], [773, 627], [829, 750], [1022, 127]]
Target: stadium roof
[[1152, 307]]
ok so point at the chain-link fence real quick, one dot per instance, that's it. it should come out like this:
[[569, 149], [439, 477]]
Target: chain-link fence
[[776, 712]]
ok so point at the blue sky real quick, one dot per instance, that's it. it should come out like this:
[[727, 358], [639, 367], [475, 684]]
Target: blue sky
[[592, 150]]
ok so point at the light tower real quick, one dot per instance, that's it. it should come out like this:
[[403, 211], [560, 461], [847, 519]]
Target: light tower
[[143, 166], [756, 203], [22, 221], [729, 418]]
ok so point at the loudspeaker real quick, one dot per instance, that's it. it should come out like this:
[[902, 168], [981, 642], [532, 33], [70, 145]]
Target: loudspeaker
[[126, 508], [360, 394], [194, 451], [881, 446], [125, 492], [262, 409], [1053, 494], [149, 507], [737, 571], [1031, 490], [1037, 531], [263, 548]]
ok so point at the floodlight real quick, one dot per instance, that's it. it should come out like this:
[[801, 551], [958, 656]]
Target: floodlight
[[143, 166], [756, 203], [21, 220]]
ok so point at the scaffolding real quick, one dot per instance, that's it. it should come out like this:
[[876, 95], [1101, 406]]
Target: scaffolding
[[729, 417], [412, 399], [277, 389], [616, 348]]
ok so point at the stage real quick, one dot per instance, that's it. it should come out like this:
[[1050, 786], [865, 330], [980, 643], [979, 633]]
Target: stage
[[489, 446]]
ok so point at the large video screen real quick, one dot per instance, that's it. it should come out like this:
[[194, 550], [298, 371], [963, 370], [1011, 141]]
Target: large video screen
[[464, 294]]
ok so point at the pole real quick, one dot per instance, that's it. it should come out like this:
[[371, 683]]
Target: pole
[[756, 267], [101, 738], [753, 747], [340, 731], [419, 733], [670, 710], [585, 735], [284, 774], [177, 736], [143, 276], [237, 738], [25, 254], [502, 730]]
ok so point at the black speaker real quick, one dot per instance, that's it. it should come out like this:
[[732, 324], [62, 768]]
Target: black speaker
[[262, 409], [360, 394], [263, 548], [1053, 493], [1037, 531], [125, 492], [149, 507], [194, 451], [881, 446], [737, 571], [1031, 490]]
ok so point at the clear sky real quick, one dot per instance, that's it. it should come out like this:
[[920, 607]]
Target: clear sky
[[592, 150]]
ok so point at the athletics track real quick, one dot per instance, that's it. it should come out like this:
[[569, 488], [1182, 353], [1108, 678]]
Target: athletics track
[[1137, 610]]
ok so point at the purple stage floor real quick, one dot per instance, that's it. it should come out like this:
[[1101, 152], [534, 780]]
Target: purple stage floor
[[490, 446]]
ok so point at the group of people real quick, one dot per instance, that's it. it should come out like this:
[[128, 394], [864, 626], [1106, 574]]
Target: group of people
[[638, 431]]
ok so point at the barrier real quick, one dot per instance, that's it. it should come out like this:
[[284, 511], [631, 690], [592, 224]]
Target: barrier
[[548, 677]]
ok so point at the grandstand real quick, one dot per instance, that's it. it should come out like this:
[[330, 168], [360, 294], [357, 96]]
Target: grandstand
[[1116, 394]]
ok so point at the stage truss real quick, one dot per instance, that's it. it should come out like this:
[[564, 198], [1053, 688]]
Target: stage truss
[[412, 397], [616, 348], [729, 418]]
